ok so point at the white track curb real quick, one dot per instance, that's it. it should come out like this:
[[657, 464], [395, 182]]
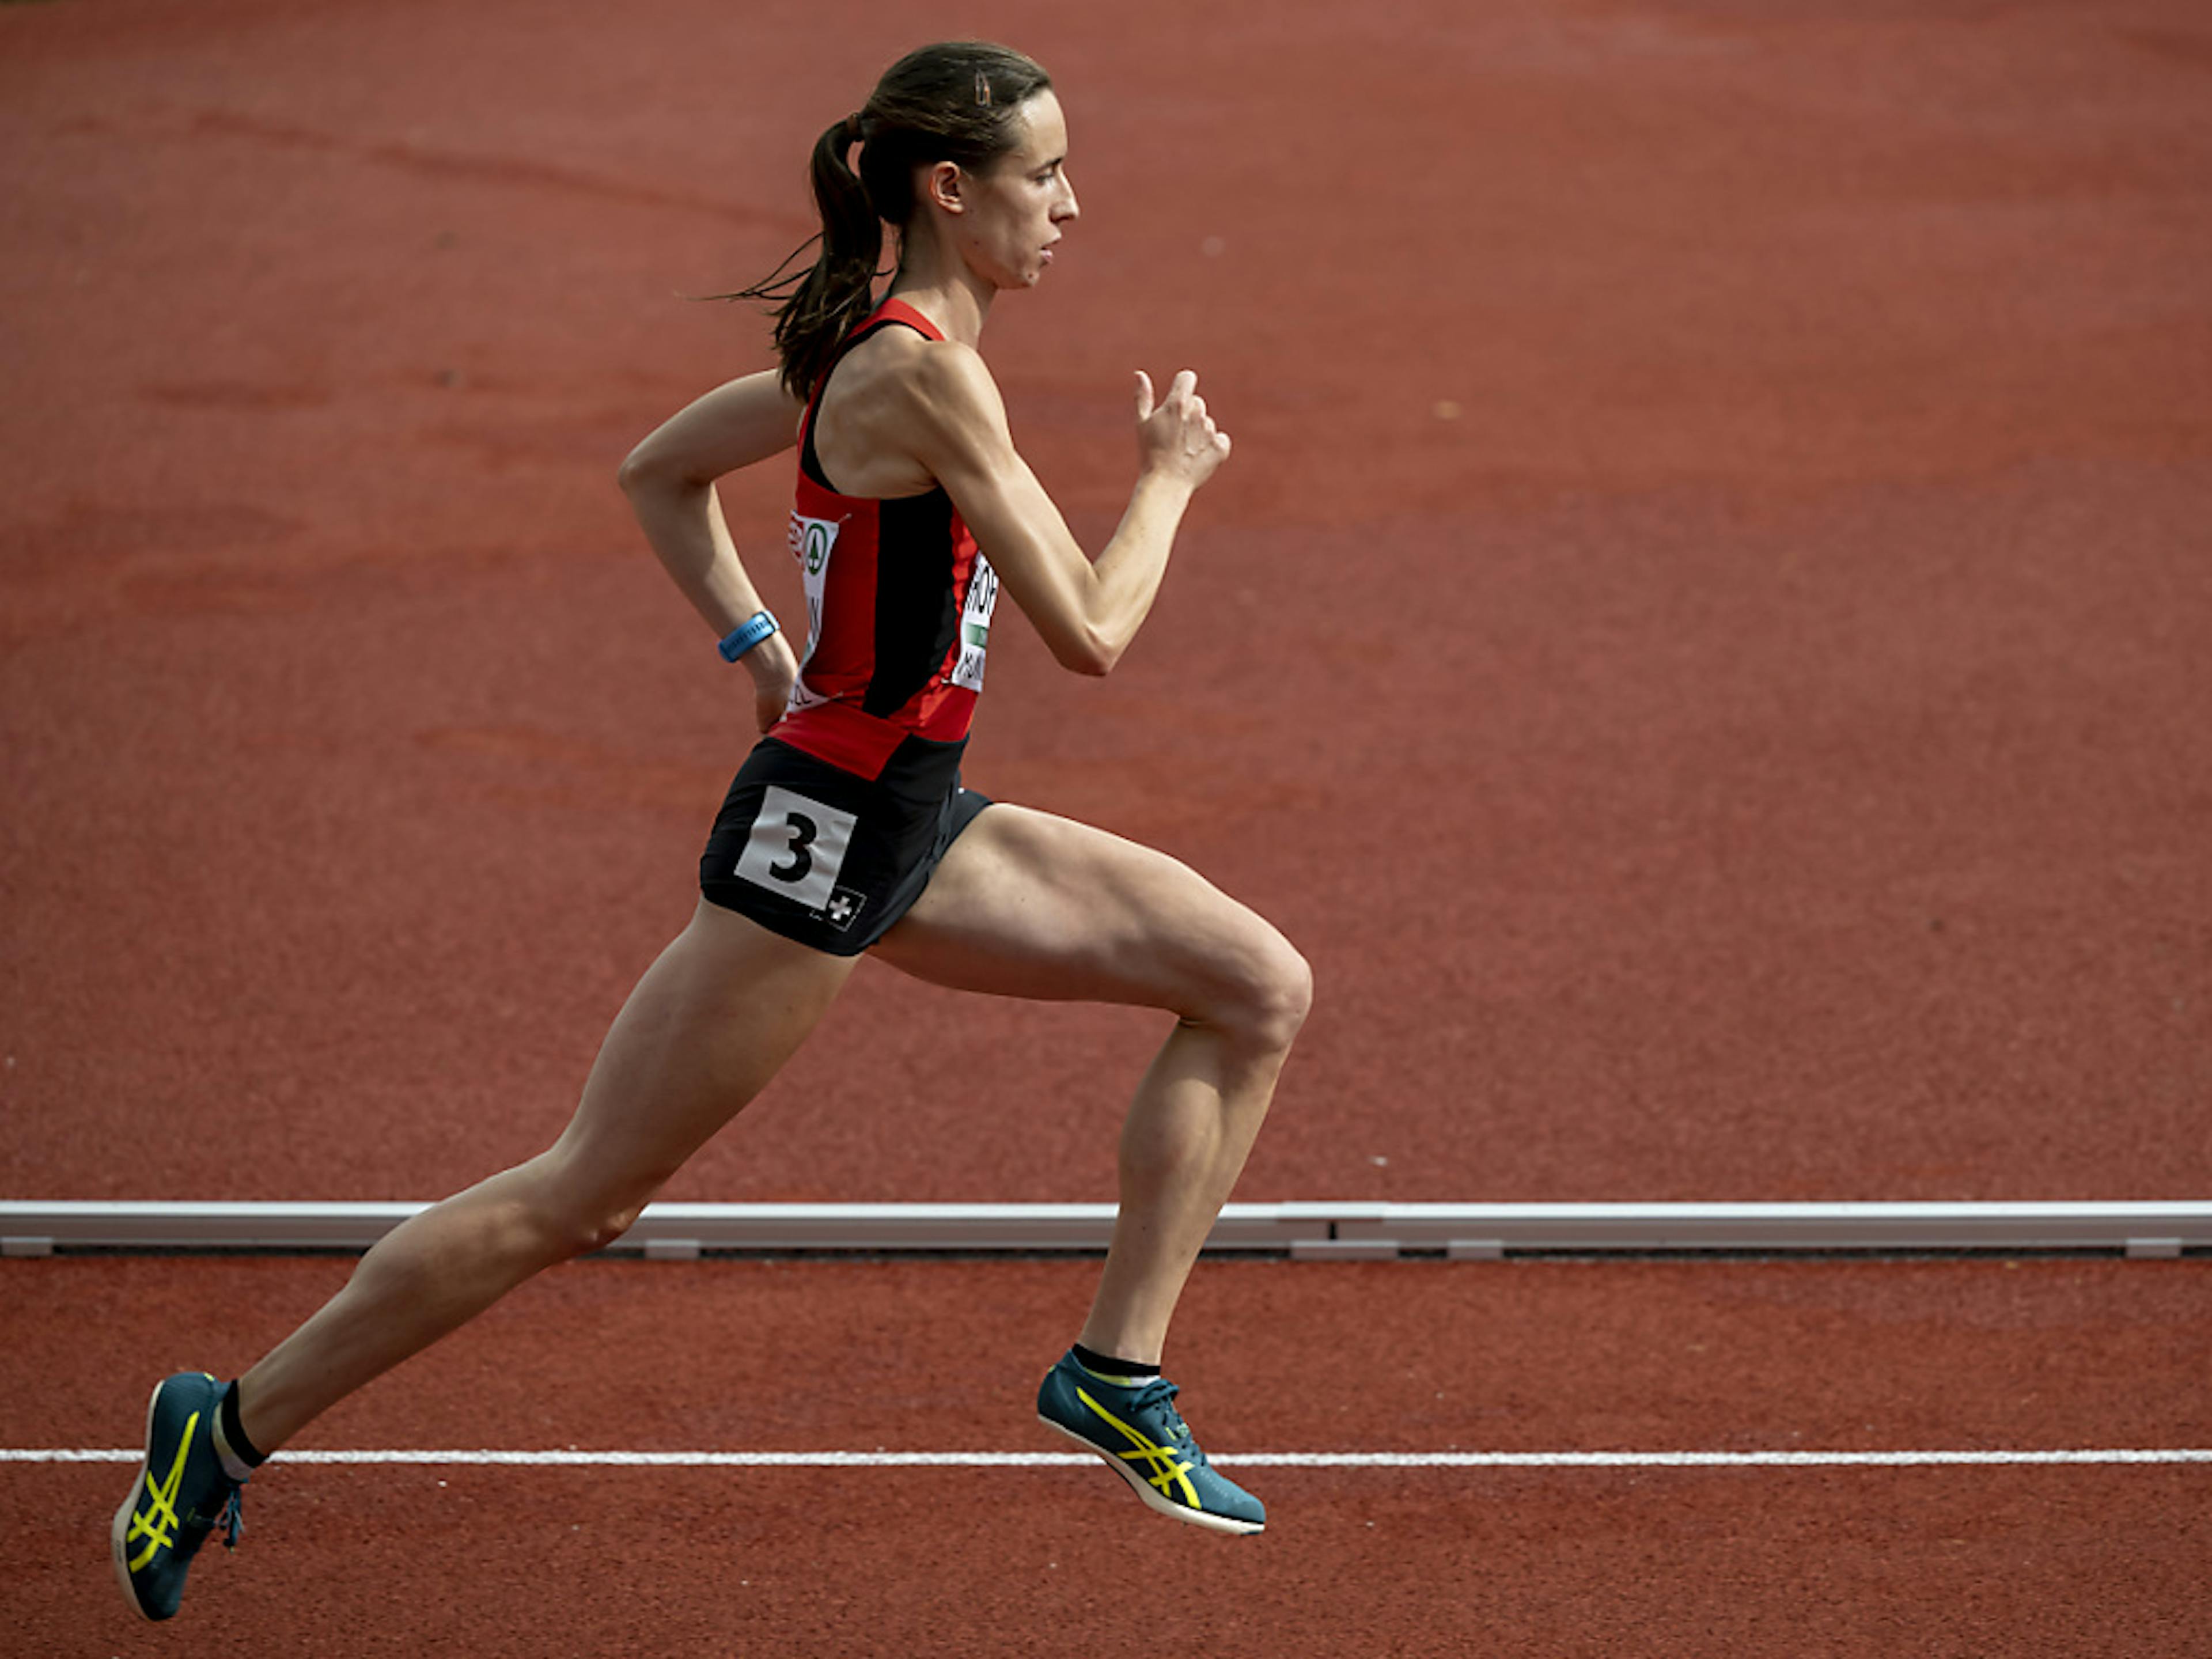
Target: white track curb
[[1344, 1231]]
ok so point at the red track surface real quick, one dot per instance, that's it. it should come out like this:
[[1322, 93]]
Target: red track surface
[[1703, 642], [942, 1357], [1755, 750]]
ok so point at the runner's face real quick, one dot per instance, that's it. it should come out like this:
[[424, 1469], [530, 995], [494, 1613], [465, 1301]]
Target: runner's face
[[1017, 206]]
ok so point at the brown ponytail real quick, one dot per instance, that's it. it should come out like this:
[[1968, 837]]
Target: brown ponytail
[[955, 101]]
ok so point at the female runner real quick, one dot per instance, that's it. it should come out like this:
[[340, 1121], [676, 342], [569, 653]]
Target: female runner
[[846, 830]]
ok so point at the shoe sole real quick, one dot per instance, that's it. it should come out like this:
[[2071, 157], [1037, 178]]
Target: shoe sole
[[119, 1533], [1150, 1499]]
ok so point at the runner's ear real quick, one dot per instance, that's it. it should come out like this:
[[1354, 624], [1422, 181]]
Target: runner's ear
[[941, 187]]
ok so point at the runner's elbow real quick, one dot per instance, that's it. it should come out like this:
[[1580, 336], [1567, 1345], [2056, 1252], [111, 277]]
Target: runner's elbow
[[640, 470], [1088, 651], [659, 491], [653, 469], [635, 474]]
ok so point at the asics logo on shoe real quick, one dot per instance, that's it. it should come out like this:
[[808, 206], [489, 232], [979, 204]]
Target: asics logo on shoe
[[180, 1493], [158, 1521], [1166, 1469]]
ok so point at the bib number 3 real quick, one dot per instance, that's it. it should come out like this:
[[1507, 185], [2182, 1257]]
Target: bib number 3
[[796, 847]]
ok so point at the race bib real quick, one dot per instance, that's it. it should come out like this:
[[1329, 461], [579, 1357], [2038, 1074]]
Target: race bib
[[811, 542], [796, 847], [976, 624]]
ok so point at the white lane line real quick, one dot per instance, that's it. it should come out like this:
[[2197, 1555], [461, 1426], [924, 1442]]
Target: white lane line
[[890, 1459]]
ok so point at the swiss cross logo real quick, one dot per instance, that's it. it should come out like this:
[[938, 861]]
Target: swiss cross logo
[[844, 905]]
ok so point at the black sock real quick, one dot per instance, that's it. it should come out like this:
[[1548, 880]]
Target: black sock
[[234, 1431], [1104, 1364]]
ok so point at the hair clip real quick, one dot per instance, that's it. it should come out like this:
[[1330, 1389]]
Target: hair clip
[[982, 88]]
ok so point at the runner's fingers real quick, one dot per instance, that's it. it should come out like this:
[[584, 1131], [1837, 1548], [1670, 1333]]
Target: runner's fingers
[[1183, 413], [769, 705]]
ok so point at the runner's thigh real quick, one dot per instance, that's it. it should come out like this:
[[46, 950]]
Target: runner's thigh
[[1027, 904], [711, 1022]]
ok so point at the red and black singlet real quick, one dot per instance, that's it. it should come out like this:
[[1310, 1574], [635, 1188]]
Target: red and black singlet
[[898, 606]]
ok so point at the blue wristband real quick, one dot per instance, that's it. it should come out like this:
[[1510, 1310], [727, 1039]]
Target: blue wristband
[[747, 634]]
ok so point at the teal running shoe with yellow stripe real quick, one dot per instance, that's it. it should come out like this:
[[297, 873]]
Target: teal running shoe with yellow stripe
[[181, 1495], [1141, 1435]]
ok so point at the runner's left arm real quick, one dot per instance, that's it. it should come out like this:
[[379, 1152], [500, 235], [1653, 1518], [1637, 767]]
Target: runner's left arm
[[670, 480]]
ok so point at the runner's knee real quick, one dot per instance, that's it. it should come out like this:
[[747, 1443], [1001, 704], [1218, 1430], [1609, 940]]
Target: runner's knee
[[1265, 1001], [575, 1217], [596, 1227], [1289, 995]]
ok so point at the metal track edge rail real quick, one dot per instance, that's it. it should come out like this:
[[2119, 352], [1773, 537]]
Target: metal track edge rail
[[1342, 1230]]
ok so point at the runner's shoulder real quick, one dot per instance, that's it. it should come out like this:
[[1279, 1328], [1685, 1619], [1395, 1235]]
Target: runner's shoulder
[[943, 384]]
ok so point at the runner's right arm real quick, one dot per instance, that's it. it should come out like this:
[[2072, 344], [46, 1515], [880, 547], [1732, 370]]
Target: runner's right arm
[[670, 480]]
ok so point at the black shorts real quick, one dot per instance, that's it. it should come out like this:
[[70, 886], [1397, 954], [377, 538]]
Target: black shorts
[[817, 854]]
